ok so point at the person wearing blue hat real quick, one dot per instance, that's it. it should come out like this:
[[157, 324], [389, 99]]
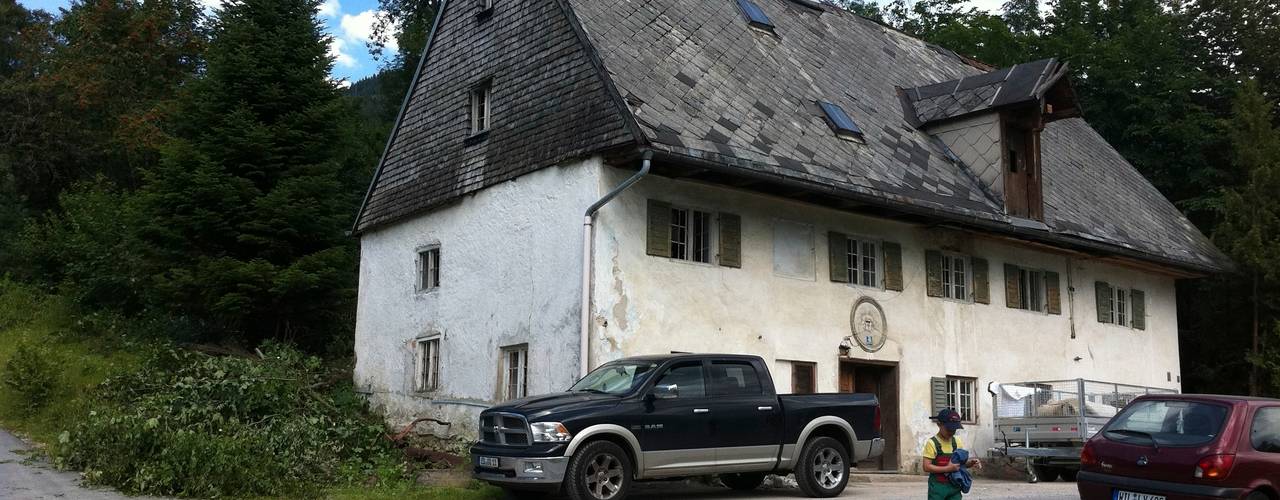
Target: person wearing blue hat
[[937, 457]]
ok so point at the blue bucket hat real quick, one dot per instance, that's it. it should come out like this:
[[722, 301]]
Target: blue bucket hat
[[949, 418]]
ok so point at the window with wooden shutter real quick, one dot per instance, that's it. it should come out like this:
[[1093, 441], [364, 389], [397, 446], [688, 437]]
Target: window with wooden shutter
[[933, 273], [658, 236], [802, 378], [1028, 289], [938, 391], [1053, 293], [1138, 298], [892, 266], [1103, 293], [730, 240], [981, 282], [837, 246], [955, 276]]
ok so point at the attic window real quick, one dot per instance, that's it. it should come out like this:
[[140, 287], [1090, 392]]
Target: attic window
[[840, 123], [755, 17], [480, 114]]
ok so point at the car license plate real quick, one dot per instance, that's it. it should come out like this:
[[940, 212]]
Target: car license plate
[[490, 462], [1129, 495]]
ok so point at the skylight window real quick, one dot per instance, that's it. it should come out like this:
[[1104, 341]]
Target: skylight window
[[840, 122], [755, 16]]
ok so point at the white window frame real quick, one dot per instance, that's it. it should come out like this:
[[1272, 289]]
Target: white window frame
[[961, 400], [515, 378], [1025, 291], [481, 107], [428, 269], [486, 4], [1121, 306], [427, 363], [855, 258], [960, 289], [683, 225]]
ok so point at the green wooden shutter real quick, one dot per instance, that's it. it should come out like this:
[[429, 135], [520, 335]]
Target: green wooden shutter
[[1103, 294], [981, 281], [659, 233], [933, 273], [1139, 307], [730, 240], [838, 256], [893, 266], [1012, 295], [938, 391], [1053, 292]]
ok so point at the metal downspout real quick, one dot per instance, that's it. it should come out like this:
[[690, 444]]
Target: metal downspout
[[588, 247]]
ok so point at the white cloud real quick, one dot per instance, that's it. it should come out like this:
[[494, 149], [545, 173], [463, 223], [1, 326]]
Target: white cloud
[[339, 55], [359, 28], [330, 8]]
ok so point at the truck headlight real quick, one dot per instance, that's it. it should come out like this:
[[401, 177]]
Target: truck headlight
[[550, 432]]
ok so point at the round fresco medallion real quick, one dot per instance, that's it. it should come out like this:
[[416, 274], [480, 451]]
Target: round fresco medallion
[[868, 325]]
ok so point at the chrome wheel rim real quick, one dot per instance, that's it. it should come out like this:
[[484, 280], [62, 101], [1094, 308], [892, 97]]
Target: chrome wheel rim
[[604, 476], [828, 468]]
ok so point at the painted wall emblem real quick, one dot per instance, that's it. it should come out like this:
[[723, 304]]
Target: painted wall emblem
[[867, 324]]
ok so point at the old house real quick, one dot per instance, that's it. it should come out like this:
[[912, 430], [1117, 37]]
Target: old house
[[864, 210]]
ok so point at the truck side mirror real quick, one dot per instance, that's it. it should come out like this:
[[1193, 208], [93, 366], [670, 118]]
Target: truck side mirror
[[670, 391]]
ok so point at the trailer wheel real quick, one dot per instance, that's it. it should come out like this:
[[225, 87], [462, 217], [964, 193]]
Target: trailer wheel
[[600, 470], [823, 470], [745, 481], [1068, 474], [1044, 473]]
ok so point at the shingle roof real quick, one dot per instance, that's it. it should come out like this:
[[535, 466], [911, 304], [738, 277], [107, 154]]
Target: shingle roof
[[1017, 84], [702, 85], [709, 87]]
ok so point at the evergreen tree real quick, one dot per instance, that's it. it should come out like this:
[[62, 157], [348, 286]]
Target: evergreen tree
[[247, 210], [1250, 229]]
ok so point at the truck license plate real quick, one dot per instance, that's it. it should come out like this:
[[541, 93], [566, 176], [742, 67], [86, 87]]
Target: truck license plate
[[1129, 495], [490, 462]]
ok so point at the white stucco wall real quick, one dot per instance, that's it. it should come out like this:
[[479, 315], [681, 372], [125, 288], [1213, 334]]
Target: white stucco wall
[[976, 141], [510, 263], [647, 305]]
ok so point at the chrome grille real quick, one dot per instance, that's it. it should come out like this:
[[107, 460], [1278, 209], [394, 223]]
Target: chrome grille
[[504, 429]]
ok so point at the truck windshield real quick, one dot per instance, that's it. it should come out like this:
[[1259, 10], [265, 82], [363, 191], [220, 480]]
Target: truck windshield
[[1167, 423], [618, 377]]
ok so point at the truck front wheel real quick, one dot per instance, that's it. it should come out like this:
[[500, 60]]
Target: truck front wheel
[[600, 470], [823, 470]]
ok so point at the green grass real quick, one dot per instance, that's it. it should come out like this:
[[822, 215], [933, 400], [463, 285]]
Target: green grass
[[84, 357]]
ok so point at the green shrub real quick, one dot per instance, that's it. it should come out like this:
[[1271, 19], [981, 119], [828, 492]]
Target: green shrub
[[189, 424], [30, 375]]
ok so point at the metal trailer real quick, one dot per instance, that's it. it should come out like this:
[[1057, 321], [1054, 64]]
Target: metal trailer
[[1047, 423]]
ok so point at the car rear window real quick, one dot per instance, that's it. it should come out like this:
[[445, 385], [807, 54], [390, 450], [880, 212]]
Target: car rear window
[[1168, 423], [1265, 434]]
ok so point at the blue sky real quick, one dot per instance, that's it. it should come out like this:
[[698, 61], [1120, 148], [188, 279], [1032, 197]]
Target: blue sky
[[350, 22]]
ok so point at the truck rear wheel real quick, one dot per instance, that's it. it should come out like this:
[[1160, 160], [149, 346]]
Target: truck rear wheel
[[600, 470], [744, 481], [823, 470]]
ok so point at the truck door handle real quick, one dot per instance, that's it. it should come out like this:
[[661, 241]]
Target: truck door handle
[[701, 410], [764, 408]]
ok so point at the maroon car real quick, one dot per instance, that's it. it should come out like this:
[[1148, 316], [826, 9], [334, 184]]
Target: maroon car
[[1173, 447]]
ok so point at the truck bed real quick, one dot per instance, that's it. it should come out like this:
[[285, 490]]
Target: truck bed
[[859, 410]]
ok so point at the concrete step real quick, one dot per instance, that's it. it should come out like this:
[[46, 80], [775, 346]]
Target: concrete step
[[884, 477]]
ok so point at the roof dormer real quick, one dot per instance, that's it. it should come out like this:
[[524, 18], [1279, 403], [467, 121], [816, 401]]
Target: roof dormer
[[992, 122]]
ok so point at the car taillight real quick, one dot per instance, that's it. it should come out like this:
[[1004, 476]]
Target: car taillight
[[1087, 458], [875, 421], [1215, 466]]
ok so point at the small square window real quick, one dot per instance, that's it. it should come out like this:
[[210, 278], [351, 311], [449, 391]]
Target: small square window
[[803, 380], [863, 261], [1031, 290], [428, 269], [955, 277], [480, 107], [691, 235], [515, 372], [960, 397], [840, 122], [427, 365], [755, 16]]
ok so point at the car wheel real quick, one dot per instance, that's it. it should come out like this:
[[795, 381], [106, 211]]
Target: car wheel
[[823, 470], [1045, 473], [744, 481], [599, 471], [1068, 474]]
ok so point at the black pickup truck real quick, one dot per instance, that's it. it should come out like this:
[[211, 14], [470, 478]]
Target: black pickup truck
[[657, 417]]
